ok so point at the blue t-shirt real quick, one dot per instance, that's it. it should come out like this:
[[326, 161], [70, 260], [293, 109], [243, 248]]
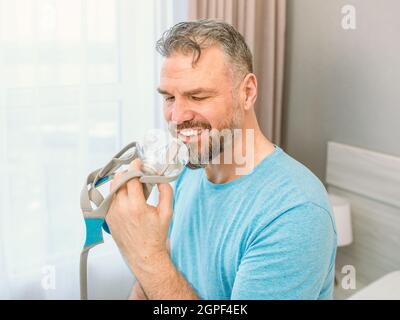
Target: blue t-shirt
[[269, 234]]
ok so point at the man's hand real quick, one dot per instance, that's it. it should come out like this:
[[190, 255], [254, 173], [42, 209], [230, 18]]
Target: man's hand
[[141, 233], [140, 230]]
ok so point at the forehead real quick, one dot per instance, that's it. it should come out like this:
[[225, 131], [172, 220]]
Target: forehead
[[211, 69]]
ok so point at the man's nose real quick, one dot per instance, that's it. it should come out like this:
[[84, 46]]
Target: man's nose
[[181, 112]]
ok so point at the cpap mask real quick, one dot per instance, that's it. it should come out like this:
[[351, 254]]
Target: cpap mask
[[163, 159]]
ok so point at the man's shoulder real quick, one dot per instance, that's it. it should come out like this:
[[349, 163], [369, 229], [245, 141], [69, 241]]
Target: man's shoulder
[[296, 183], [287, 184]]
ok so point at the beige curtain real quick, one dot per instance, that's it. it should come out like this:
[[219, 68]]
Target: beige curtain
[[262, 23]]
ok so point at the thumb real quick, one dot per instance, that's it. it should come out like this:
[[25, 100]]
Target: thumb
[[165, 201]]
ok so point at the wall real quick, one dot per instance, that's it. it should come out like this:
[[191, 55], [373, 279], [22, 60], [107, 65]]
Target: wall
[[341, 85]]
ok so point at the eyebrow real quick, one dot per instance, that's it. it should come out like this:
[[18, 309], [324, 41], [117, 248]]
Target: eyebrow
[[190, 92]]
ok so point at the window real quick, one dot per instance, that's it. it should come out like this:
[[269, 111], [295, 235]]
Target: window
[[77, 81]]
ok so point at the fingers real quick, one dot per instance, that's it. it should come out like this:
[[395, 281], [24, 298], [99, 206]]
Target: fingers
[[115, 181], [136, 165], [165, 201], [135, 188]]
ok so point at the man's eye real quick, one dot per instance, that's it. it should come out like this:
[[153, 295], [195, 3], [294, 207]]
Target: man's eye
[[169, 98], [198, 98]]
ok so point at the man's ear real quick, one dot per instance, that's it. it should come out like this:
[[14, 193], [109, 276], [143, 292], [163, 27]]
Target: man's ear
[[249, 87]]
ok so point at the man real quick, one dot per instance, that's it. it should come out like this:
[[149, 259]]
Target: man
[[263, 232]]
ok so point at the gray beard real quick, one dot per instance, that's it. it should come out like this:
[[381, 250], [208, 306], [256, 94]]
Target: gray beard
[[198, 160], [217, 141]]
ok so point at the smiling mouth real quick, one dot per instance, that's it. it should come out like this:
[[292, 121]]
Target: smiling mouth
[[187, 135]]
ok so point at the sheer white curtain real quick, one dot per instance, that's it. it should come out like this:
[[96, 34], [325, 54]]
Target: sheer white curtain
[[77, 81]]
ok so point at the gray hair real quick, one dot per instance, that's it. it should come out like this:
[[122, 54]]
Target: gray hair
[[192, 37]]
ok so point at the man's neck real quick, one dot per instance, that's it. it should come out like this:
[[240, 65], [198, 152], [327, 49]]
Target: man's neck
[[253, 153]]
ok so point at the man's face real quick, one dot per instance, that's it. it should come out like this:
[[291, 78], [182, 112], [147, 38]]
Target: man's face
[[198, 99]]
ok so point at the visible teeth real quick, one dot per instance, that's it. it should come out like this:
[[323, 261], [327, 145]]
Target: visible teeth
[[189, 132]]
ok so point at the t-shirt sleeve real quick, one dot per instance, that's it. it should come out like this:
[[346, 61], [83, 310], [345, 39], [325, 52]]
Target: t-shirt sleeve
[[291, 258]]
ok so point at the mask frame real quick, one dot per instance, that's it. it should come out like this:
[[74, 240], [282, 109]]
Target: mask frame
[[95, 217]]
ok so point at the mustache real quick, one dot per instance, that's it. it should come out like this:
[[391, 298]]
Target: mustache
[[193, 124]]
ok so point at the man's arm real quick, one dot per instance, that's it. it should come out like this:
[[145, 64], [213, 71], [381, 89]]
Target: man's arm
[[160, 280], [137, 292], [180, 289]]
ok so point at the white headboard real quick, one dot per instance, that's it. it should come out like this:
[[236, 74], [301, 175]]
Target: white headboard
[[371, 181]]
